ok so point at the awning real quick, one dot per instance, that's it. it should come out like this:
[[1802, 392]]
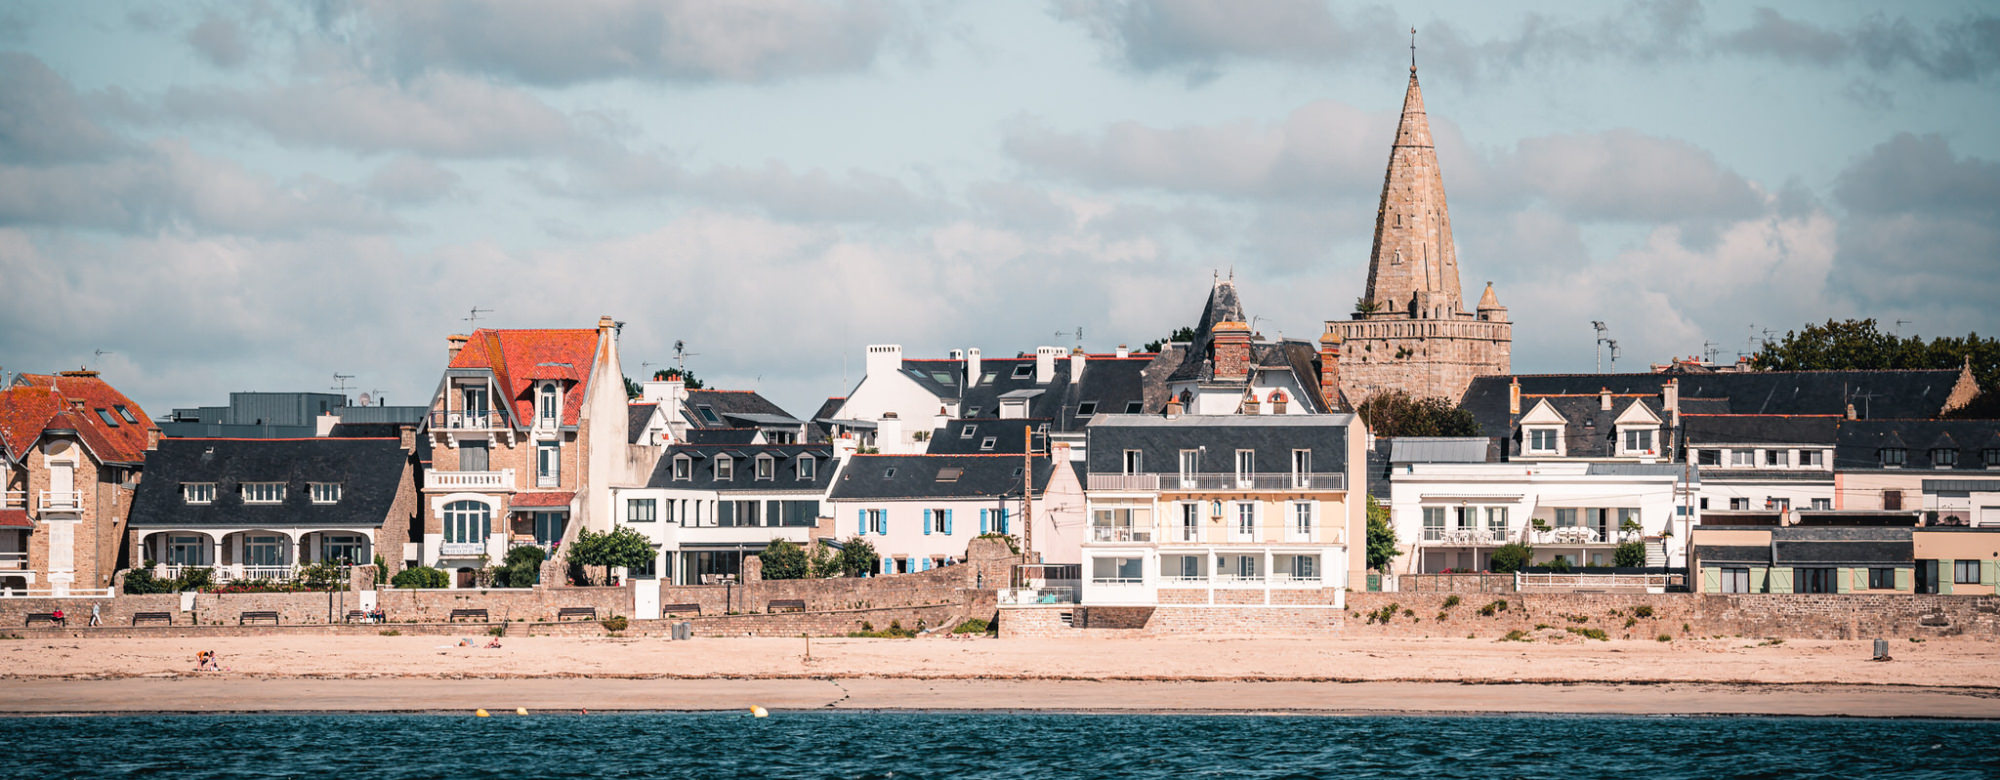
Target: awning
[[550, 500], [15, 518]]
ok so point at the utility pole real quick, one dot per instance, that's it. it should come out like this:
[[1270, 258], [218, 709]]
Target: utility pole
[[1613, 344], [1598, 325], [1028, 490]]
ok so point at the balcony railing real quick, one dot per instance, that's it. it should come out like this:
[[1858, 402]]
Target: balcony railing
[[61, 501], [1580, 535], [236, 572], [1045, 594], [468, 421], [13, 561], [1120, 533], [1465, 536], [14, 499], [469, 480], [1156, 482]]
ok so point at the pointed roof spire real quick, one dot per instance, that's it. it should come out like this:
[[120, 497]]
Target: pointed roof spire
[[1413, 268], [1488, 300]]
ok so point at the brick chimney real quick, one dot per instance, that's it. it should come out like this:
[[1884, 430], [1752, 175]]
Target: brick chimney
[[1329, 368], [1231, 343], [152, 439], [1514, 397], [408, 435], [452, 344], [1173, 407], [1604, 398]]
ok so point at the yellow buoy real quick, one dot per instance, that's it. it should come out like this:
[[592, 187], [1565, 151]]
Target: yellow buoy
[[520, 710], [480, 714], [759, 712]]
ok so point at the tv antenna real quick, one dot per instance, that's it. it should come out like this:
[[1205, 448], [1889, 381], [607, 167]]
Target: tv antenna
[[681, 355], [1078, 333], [1598, 325], [378, 399], [1613, 344], [1708, 350], [340, 382], [1901, 323], [472, 318]]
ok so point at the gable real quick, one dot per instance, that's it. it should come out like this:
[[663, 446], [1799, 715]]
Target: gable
[[1637, 414], [1544, 413]]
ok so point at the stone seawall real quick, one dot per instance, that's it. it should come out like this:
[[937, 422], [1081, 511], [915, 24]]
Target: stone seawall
[[1219, 622], [1649, 616]]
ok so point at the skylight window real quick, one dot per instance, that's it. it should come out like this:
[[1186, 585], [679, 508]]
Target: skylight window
[[1133, 407], [1017, 472], [106, 417], [890, 473], [986, 444], [987, 378], [942, 377], [967, 431], [950, 474], [973, 412], [127, 414], [1086, 408], [1024, 370], [708, 414]]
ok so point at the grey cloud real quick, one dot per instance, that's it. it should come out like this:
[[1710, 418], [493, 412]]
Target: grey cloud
[[42, 120], [1921, 234], [816, 195], [219, 41], [412, 180], [676, 40], [1911, 174], [1152, 36], [1962, 49], [437, 114], [1627, 175]]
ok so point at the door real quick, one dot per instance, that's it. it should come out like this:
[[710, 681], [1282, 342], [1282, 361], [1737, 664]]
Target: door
[[473, 456], [465, 578], [646, 598], [475, 408], [62, 487]]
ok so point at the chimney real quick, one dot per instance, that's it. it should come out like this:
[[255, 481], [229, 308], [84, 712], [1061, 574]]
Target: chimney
[[76, 404], [1604, 398], [1251, 405], [843, 447], [1514, 397], [1329, 368], [1231, 344], [407, 434], [1045, 364], [605, 323], [1671, 398], [972, 366], [452, 344], [884, 359], [889, 434], [1123, 351], [323, 424], [1850, 411], [1076, 360], [1173, 407], [152, 439]]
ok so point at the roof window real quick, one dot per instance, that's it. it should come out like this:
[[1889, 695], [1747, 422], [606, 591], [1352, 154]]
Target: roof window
[[967, 431], [105, 415], [708, 413], [942, 377], [987, 378], [986, 444], [889, 473], [126, 413], [950, 474], [1024, 370], [1086, 408], [1133, 407]]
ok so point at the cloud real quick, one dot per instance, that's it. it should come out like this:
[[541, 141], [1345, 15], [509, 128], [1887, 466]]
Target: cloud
[[412, 180], [1966, 48], [42, 120], [688, 41], [440, 114], [1623, 174], [1203, 34], [1921, 233], [219, 41]]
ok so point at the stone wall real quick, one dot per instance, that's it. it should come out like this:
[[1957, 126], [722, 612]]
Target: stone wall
[[1169, 620], [1780, 615], [988, 565]]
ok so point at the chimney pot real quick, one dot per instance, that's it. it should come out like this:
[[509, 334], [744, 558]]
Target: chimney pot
[[452, 344]]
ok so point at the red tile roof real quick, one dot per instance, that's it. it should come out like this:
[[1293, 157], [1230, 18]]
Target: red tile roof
[[15, 518], [519, 357], [39, 402], [541, 500]]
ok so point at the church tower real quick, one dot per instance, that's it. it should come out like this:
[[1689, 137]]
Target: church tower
[[1410, 331]]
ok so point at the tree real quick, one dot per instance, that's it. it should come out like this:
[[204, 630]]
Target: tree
[[1363, 305], [1397, 414], [1861, 345], [1629, 555], [632, 389], [857, 557], [325, 575], [783, 561], [622, 547], [1381, 536], [1183, 334], [687, 377], [820, 561], [421, 577], [1509, 558], [522, 567]]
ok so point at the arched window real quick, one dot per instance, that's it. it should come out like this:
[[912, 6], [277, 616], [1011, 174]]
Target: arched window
[[467, 521]]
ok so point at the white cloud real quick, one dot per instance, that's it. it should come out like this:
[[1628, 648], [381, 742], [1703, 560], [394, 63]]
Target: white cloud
[[442, 114]]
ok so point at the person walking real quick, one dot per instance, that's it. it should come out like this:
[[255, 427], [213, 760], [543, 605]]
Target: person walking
[[95, 619]]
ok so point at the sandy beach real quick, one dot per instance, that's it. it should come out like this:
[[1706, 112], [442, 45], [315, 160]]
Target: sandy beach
[[425, 673]]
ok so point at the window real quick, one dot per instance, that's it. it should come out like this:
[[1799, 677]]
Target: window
[[683, 467], [1777, 458], [1708, 458], [1927, 576], [1135, 462], [987, 378], [808, 467], [1881, 578], [967, 431], [1302, 567], [547, 406], [1246, 465], [1739, 503], [889, 473], [767, 468], [1134, 407], [1302, 518], [1190, 530], [725, 468], [1741, 459], [264, 551], [187, 551], [1944, 458], [987, 444], [1433, 523], [1893, 457], [708, 414], [974, 411], [1990, 457], [641, 510], [1302, 466], [1639, 440], [1086, 409], [1246, 519], [1780, 504], [467, 522], [1542, 440], [126, 413], [263, 492], [1566, 517], [942, 377], [647, 570], [342, 548], [1735, 580], [105, 415], [950, 474], [1190, 463], [1822, 503], [1965, 572], [1892, 500], [1496, 522], [1812, 459], [878, 521], [940, 520], [325, 492], [1813, 580], [548, 464], [1024, 370], [198, 492]]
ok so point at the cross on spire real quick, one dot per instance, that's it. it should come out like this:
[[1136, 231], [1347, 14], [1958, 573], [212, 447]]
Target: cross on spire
[[1413, 50]]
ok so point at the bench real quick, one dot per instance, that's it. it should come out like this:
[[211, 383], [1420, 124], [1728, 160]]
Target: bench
[[357, 616], [45, 617], [154, 617], [468, 613], [587, 613], [786, 605], [261, 615], [681, 609]]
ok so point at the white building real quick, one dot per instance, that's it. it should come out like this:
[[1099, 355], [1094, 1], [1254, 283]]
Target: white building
[[707, 506], [917, 511]]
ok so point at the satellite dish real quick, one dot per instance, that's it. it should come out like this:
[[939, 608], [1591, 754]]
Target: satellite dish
[[365, 399]]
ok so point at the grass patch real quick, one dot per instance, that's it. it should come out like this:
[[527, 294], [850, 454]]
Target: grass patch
[[1542, 626], [894, 631], [390, 632], [1578, 618], [1643, 610], [1771, 642], [497, 631], [972, 626], [1491, 609], [1589, 633], [1451, 601], [1516, 635], [1631, 621]]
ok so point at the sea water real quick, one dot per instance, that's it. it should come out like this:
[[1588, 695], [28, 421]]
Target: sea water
[[941, 745]]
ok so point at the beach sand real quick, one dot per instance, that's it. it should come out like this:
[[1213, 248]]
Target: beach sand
[[424, 673]]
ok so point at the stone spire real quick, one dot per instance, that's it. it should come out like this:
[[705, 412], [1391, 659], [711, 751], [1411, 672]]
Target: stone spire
[[1413, 269]]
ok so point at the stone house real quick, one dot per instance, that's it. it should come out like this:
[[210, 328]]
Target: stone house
[[71, 451]]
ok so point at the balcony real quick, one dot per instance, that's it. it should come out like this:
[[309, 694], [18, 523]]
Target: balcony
[[1146, 483], [1580, 535], [467, 421], [238, 572], [461, 549], [1120, 533], [469, 480], [1464, 537], [13, 561], [14, 499], [61, 501]]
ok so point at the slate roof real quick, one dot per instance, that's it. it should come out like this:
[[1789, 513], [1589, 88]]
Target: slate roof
[[1712, 429], [720, 436], [1875, 394], [1009, 436], [1591, 431], [1110, 384], [1271, 437], [1860, 442], [746, 405], [369, 472], [827, 410], [893, 477], [519, 357], [785, 475], [42, 402]]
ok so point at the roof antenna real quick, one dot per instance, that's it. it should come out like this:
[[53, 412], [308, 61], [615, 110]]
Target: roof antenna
[[340, 380], [98, 355], [1413, 51], [1601, 329], [472, 319], [681, 355]]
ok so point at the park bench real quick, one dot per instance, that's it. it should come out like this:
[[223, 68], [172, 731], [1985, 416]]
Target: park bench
[[153, 617], [357, 616], [469, 614], [45, 617], [786, 605], [246, 617], [680, 609], [587, 613]]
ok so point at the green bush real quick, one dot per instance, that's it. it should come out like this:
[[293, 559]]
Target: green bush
[[195, 578], [141, 581], [972, 626], [784, 560], [1630, 555], [894, 631], [1665, 638], [856, 558], [1516, 635], [1013, 545], [1494, 607], [421, 577], [1643, 610], [1510, 558], [497, 631], [1559, 565], [1381, 537], [1590, 633], [615, 623], [623, 547], [325, 575], [1451, 601], [522, 567]]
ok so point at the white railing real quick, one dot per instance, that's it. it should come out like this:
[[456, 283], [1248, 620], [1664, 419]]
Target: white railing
[[1181, 533], [14, 499], [468, 421], [1585, 581], [61, 501], [44, 593], [1183, 581], [1120, 533], [1464, 536], [1156, 482], [1047, 594], [13, 560], [1579, 535], [1117, 580], [461, 549], [469, 480], [235, 572], [1288, 578]]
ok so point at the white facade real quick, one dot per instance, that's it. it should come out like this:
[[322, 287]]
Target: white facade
[[684, 524], [1760, 477], [1452, 515]]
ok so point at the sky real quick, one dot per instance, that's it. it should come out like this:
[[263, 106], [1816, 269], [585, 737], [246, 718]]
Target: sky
[[205, 197]]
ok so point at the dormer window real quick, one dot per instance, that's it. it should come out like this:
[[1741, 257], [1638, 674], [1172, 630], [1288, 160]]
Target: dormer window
[[263, 492], [325, 492], [1742, 459], [545, 404], [1944, 458], [1991, 457], [725, 468], [1894, 457], [198, 492], [1637, 441], [1133, 407], [1812, 459], [767, 468], [1777, 459], [808, 467], [683, 468], [1024, 371], [1542, 441], [973, 411], [1708, 457]]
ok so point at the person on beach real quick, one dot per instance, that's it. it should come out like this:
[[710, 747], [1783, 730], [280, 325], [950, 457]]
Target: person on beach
[[206, 661], [95, 619], [378, 616], [493, 645], [59, 618]]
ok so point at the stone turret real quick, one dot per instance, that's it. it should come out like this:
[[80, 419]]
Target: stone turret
[[1413, 269]]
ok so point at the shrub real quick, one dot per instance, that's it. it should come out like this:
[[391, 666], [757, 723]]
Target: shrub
[[325, 575], [1516, 635], [1510, 558], [856, 558], [1578, 618], [615, 623], [1451, 601], [1643, 610], [972, 626], [1013, 545], [1381, 537], [195, 579], [1590, 633], [1495, 607], [1664, 638], [1631, 554], [784, 561], [894, 631], [140, 581], [390, 632], [1631, 621], [1385, 614], [1559, 565], [500, 630], [421, 577]]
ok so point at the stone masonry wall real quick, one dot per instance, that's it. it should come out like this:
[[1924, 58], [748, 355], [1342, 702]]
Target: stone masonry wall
[[1782, 615], [1216, 622]]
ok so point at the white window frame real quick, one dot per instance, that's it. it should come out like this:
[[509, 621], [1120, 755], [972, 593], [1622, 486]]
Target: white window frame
[[330, 543], [548, 404], [1554, 444], [1305, 515], [1245, 527], [1302, 466], [1246, 467], [725, 468], [548, 464], [1777, 459], [683, 468], [198, 493], [808, 468], [767, 468], [1742, 459], [324, 492], [263, 492], [1134, 462], [1626, 443]]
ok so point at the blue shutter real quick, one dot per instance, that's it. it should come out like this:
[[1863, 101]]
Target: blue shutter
[[982, 521], [927, 522], [864, 521], [888, 566], [1003, 521], [947, 522], [923, 564]]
